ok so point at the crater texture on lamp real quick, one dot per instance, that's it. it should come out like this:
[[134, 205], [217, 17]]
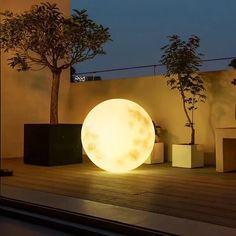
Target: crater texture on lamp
[[118, 135]]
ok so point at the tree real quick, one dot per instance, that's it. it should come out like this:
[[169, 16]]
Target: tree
[[182, 63], [44, 37]]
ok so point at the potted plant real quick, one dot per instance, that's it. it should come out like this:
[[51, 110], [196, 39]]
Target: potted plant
[[44, 38], [157, 154], [182, 62]]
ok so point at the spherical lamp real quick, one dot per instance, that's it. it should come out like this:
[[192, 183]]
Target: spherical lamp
[[118, 135]]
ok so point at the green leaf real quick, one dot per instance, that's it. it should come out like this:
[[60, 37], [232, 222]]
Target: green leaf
[[43, 36]]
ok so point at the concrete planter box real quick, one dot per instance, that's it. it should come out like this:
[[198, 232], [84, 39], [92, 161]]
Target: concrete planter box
[[187, 156], [157, 154], [51, 145]]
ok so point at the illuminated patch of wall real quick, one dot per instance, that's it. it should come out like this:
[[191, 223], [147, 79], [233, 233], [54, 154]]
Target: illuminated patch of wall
[[164, 106]]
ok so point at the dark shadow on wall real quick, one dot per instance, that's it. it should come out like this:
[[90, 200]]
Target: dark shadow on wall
[[168, 139], [209, 159], [221, 95]]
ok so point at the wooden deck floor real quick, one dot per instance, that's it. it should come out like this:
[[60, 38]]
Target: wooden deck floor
[[199, 194]]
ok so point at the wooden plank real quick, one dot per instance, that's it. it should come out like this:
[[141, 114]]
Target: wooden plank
[[199, 194]]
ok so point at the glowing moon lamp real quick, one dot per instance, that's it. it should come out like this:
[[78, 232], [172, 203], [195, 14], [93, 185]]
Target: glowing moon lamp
[[118, 135]]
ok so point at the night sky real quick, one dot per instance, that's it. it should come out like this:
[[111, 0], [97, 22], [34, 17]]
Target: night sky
[[139, 28]]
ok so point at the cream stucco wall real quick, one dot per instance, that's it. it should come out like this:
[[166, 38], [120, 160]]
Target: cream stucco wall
[[164, 106], [25, 96], [25, 99]]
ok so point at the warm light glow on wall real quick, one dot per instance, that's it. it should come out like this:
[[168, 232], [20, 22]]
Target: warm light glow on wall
[[118, 135]]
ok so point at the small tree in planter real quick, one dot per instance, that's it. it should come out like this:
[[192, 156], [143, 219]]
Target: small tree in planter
[[44, 38], [182, 62]]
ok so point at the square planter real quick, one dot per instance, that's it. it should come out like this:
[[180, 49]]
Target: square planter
[[187, 156], [50, 145], [157, 154]]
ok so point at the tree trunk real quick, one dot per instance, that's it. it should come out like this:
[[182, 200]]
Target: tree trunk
[[189, 119], [54, 97], [192, 135]]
